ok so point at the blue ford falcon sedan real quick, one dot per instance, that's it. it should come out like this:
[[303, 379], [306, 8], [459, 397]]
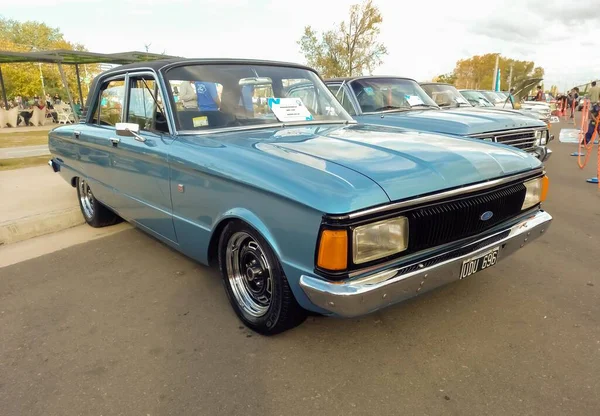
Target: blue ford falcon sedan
[[301, 208]]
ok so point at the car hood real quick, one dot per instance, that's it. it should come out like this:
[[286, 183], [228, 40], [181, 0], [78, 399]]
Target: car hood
[[461, 122], [403, 163], [510, 111]]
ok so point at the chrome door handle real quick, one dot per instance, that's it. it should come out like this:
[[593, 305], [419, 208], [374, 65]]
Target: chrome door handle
[[115, 141], [76, 133]]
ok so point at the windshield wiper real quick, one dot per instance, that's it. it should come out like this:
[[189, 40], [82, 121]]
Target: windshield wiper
[[389, 107], [424, 105]]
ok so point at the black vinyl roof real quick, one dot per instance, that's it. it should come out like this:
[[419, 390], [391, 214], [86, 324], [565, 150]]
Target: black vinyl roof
[[171, 62], [350, 79]]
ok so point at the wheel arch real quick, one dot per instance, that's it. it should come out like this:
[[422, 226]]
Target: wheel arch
[[239, 214]]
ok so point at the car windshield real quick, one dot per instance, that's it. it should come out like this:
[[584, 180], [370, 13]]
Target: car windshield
[[476, 99], [381, 94], [238, 95], [492, 97], [445, 95]]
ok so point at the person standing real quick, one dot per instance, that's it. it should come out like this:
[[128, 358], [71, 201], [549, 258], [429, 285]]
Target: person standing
[[187, 95], [594, 94], [540, 94], [511, 97], [573, 96], [208, 96], [594, 111]]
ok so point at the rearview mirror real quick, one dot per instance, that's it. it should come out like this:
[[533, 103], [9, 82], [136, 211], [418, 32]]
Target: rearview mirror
[[256, 81], [127, 129]]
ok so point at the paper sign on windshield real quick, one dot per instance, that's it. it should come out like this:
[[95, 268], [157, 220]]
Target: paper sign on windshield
[[413, 99], [461, 100], [289, 109]]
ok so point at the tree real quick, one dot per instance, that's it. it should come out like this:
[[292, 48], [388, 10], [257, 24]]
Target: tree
[[477, 72], [349, 49], [25, 78], [449, 78]]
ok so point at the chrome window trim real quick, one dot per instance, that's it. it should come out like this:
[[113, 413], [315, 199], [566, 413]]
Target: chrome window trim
[[438, 196], [135, 73]]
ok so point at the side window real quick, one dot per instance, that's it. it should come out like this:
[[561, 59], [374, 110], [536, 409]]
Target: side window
[[109, 105], [342, 97], [146, 106]]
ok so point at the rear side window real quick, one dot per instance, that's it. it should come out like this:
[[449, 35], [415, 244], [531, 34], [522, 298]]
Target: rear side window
[[109, 105]]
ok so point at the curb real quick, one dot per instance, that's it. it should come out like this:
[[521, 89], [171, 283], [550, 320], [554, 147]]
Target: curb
[[37, 225]]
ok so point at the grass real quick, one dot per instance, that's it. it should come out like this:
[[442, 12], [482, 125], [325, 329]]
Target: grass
[[23, 162], [17, 139]]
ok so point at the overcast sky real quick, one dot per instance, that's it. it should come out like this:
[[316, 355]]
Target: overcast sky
[[424, 38]]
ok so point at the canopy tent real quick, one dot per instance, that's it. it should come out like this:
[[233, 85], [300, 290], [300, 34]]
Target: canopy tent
[[63, 56]]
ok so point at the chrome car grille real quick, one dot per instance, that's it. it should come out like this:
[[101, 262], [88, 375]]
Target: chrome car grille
[[449, 221], [523, 139]]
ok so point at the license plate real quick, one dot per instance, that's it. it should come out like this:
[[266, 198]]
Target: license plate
[[476, 264]]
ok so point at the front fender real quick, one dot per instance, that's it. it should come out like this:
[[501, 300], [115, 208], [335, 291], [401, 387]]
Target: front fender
[[251, 219], [292, 269]]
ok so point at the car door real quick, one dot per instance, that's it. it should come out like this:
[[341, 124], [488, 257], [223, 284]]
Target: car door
[[95, 137], [140, 164]]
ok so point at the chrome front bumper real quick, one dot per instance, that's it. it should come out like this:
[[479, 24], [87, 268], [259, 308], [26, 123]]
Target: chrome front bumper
[[367, 294], [543, 153]]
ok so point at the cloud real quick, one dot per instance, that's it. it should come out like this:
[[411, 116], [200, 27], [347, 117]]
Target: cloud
[[425, 38]]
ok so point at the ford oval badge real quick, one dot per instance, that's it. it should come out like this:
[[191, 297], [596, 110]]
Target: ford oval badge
[[486, 215]]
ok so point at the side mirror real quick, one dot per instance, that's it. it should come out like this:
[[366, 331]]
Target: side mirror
[[127, 129]]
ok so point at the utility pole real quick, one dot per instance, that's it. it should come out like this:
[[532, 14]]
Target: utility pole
[[510, 77], [496, 72], [42, 78]]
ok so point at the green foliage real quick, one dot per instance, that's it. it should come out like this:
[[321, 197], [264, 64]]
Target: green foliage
[[477, 72], [449, 78], [349, 49], [24, 78]]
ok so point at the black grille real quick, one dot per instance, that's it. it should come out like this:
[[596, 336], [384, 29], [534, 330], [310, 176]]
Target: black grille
[[450, 221]]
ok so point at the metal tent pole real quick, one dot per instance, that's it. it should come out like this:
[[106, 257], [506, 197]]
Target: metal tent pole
[[3, 89], [79, 85], [66, 85]]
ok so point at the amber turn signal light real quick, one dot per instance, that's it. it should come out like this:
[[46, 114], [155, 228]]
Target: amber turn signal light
[[545, 185], [333, 250]]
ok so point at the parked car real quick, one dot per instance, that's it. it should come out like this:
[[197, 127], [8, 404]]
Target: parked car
[[302, 208], [401, 102], [476, 99], [437, 89]]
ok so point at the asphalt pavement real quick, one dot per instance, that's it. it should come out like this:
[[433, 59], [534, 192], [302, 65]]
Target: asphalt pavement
[[123, 325]]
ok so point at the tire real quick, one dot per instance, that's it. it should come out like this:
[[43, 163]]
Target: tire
[[255, 282], [94, 212]]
